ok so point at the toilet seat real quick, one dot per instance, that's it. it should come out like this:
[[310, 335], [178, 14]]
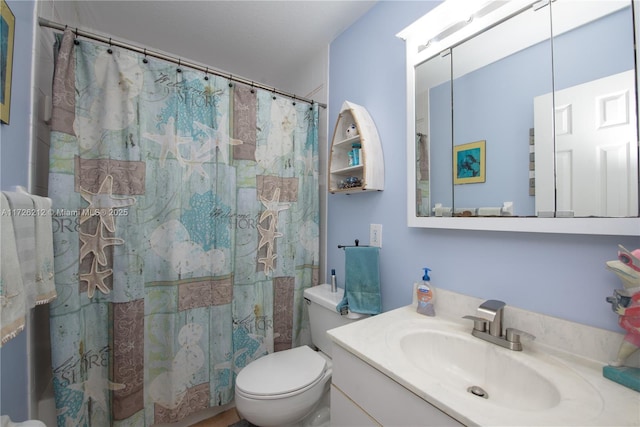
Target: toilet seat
[[281, 374]]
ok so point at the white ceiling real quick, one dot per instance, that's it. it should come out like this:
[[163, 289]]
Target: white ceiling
[[262, 41]]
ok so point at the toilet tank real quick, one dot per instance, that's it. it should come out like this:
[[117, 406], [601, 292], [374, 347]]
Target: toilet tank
[[324, 316]]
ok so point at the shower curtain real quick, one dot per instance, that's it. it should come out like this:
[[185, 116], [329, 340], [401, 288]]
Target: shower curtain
[[186, 227]]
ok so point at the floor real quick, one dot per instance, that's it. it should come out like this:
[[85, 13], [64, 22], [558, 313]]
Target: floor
[[224, 419]]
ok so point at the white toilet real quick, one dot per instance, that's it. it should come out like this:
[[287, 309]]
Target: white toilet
[[291, 387], [5, 421]]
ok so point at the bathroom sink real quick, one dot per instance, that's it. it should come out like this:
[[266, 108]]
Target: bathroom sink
[[477, 382], [445, 360], [487, 371]]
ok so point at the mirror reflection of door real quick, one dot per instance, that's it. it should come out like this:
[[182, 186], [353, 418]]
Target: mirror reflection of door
[[596, 149]]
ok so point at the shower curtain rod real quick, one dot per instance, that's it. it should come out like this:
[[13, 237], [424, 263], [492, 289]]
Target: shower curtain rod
[[43, 22]]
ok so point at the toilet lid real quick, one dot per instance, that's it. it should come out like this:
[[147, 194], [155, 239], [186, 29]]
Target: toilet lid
[[281, 372]]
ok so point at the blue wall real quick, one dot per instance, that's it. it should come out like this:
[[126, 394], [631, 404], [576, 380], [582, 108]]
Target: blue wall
[[556, 274], [14, 167]]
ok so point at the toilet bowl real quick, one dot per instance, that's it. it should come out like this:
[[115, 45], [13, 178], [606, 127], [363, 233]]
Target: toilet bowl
[[291, 387], [281, 389], [5, 421]]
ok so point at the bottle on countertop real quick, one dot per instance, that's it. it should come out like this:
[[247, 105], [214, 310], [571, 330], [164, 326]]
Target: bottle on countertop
[[424, 294], [334, 286]]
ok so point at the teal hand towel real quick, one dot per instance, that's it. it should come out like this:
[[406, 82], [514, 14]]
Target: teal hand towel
[[362, 280]]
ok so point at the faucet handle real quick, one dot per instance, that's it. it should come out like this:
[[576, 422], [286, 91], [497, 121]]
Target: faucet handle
[[479, 324], [514, 335], [492, 305]]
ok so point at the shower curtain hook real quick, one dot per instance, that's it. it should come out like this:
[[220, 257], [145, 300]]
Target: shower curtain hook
[[252, 89], [145, 60], [294, 100], [230, 80], [179, 70], [311, 106], [273, 92], [206, 74], [75, 40], [110, 50]]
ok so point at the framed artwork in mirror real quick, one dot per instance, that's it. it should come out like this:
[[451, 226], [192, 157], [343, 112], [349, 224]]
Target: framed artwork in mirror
[[469, 163], [7, 28]]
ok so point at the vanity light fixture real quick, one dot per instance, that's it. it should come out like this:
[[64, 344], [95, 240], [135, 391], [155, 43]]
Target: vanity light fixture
[[455, 20]]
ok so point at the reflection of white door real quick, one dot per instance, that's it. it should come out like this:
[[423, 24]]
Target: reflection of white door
[[596, 149]]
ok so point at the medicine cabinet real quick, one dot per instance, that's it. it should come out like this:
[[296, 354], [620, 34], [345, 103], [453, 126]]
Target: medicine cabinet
[[500, 109]]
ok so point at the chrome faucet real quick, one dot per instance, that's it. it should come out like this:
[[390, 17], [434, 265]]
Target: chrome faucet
[[490, 315]]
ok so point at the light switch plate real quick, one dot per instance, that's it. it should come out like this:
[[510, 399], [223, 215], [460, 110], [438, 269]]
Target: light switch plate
[[375, 235]]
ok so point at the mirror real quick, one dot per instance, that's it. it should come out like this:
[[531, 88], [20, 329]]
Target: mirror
[[503, 117], [434, 133], [596, 142]]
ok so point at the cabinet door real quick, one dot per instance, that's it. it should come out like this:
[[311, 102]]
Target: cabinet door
[[383, 399], [345, 413]]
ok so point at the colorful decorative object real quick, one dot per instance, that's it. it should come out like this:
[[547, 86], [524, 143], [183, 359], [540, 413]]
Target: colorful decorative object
[[7, 28], [469, 163], [626, 303]]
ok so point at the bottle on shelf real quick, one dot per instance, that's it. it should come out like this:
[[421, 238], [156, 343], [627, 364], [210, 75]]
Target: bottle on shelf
[[355, 148]]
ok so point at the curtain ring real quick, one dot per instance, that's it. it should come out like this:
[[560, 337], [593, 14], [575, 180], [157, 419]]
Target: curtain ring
[[110, 50], [145, 60]]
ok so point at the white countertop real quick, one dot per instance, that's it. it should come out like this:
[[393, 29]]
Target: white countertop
[[599, 402]]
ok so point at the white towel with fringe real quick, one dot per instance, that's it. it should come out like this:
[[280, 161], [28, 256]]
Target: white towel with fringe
[[24, 228], [44, 281], [12, 298]]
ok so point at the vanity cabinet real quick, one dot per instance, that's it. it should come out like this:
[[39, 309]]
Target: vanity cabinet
[[363, 396], [367, 172]]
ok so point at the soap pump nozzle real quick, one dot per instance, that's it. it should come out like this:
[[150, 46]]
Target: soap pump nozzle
[[426, 277]]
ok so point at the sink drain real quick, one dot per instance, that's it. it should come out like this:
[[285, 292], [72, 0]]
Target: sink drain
[[478, 391]]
